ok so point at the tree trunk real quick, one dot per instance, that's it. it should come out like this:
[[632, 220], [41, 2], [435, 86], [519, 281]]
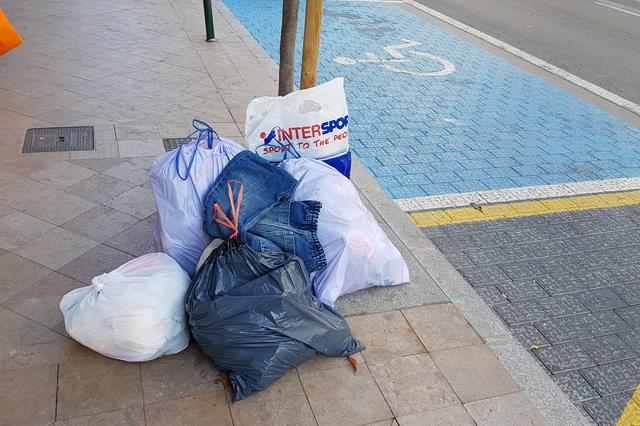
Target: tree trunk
[[288, 46]]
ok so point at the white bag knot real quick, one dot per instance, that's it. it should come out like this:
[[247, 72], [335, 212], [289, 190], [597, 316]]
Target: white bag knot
[[98, 282]]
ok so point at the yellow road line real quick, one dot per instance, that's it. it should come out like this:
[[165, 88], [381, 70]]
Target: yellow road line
[[631, 414], [524, 208]]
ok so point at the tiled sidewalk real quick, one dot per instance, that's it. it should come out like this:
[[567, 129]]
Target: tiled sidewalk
[[139, 71], [567, 286]]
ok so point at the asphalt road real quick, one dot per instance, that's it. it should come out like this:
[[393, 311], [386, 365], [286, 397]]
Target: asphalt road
[[597, 40]]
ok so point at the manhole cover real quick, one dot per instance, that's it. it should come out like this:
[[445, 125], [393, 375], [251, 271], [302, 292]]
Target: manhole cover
[[57, 139], [172, 143]]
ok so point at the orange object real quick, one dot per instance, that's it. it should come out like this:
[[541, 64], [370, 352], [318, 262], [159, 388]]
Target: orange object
[[9, 37], [235, 210]]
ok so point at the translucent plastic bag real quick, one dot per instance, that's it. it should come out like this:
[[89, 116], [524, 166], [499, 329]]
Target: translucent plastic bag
[[358, 252], [180, 180], [134, 313]]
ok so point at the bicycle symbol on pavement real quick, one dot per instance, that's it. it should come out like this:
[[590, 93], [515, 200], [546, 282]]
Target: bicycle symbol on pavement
[[399, 58]]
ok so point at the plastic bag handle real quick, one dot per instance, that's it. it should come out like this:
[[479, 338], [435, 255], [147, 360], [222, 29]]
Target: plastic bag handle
[[203, 129], [220, 217]]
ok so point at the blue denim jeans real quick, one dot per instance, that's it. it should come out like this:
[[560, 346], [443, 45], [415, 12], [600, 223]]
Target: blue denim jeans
[[268, 220]]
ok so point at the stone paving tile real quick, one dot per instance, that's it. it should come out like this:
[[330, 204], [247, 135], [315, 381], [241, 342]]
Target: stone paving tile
[[565, 357], [41, 301], [59, 207], [135, 240], [491, 295], [18, 274], [510, 409], [125, 417], [606, 411], [521, 290], [474, 372], [484, 275], [606, 349], [562, 306], [179, 376], [528, 335], [97, 261], [630, 314], [629, 293], [453, 415], [331, 395], [412, 384], [28, 396], [100, 188], [600, 300], [137, 201], [617, 377], [441, 327], [573, 384], [198, 410], [62, 175], [525, 312], [96, 385], [101, 223], [55, 248], [18, 228], [632, 339], [386, 335]]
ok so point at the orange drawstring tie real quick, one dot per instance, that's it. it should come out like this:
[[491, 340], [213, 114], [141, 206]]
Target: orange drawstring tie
[[220, 216]]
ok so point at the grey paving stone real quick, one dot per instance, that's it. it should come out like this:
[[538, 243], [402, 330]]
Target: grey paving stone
[[606, 349], [562, 306], [528, 335], [606, 322], [491, 295], [561, 284], [526, 269], [606, 411], [631, 314], [625, 274], [460, 260], [598, 278], [521, 290], [484, 275], [600, 300], [565, 357], [574, 385], [610, 379], [525, 312], [487, 256], [632, 339], [629, 293], [566, 329]]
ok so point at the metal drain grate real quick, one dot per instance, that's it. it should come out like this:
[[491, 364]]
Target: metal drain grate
[[173, 143], [58, 139]]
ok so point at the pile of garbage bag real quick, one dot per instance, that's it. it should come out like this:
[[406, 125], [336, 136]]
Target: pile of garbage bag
[[251, 251]]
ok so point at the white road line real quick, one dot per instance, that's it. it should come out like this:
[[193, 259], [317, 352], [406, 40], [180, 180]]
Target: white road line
[[616, 8], [518, 194], [611, 97]]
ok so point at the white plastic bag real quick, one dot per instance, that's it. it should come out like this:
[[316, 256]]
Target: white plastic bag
[[135, 313], [310, 123], [179, 229], [358, 252]]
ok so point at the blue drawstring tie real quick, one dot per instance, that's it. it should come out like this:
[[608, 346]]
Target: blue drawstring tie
[[202, 129]]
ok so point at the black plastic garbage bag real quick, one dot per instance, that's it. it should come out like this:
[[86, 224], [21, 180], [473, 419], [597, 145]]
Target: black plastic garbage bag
[[255, 316]]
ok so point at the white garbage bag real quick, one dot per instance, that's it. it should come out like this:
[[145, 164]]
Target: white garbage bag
[[135, 313], [179, 229], [358, 252], [310, 123]]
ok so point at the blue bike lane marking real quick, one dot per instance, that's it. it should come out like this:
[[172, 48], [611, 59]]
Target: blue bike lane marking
[[424, 128]]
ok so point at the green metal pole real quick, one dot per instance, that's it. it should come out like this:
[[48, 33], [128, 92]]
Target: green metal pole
[[208, 20]]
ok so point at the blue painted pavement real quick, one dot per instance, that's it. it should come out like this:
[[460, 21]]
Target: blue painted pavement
[[487, 125]]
